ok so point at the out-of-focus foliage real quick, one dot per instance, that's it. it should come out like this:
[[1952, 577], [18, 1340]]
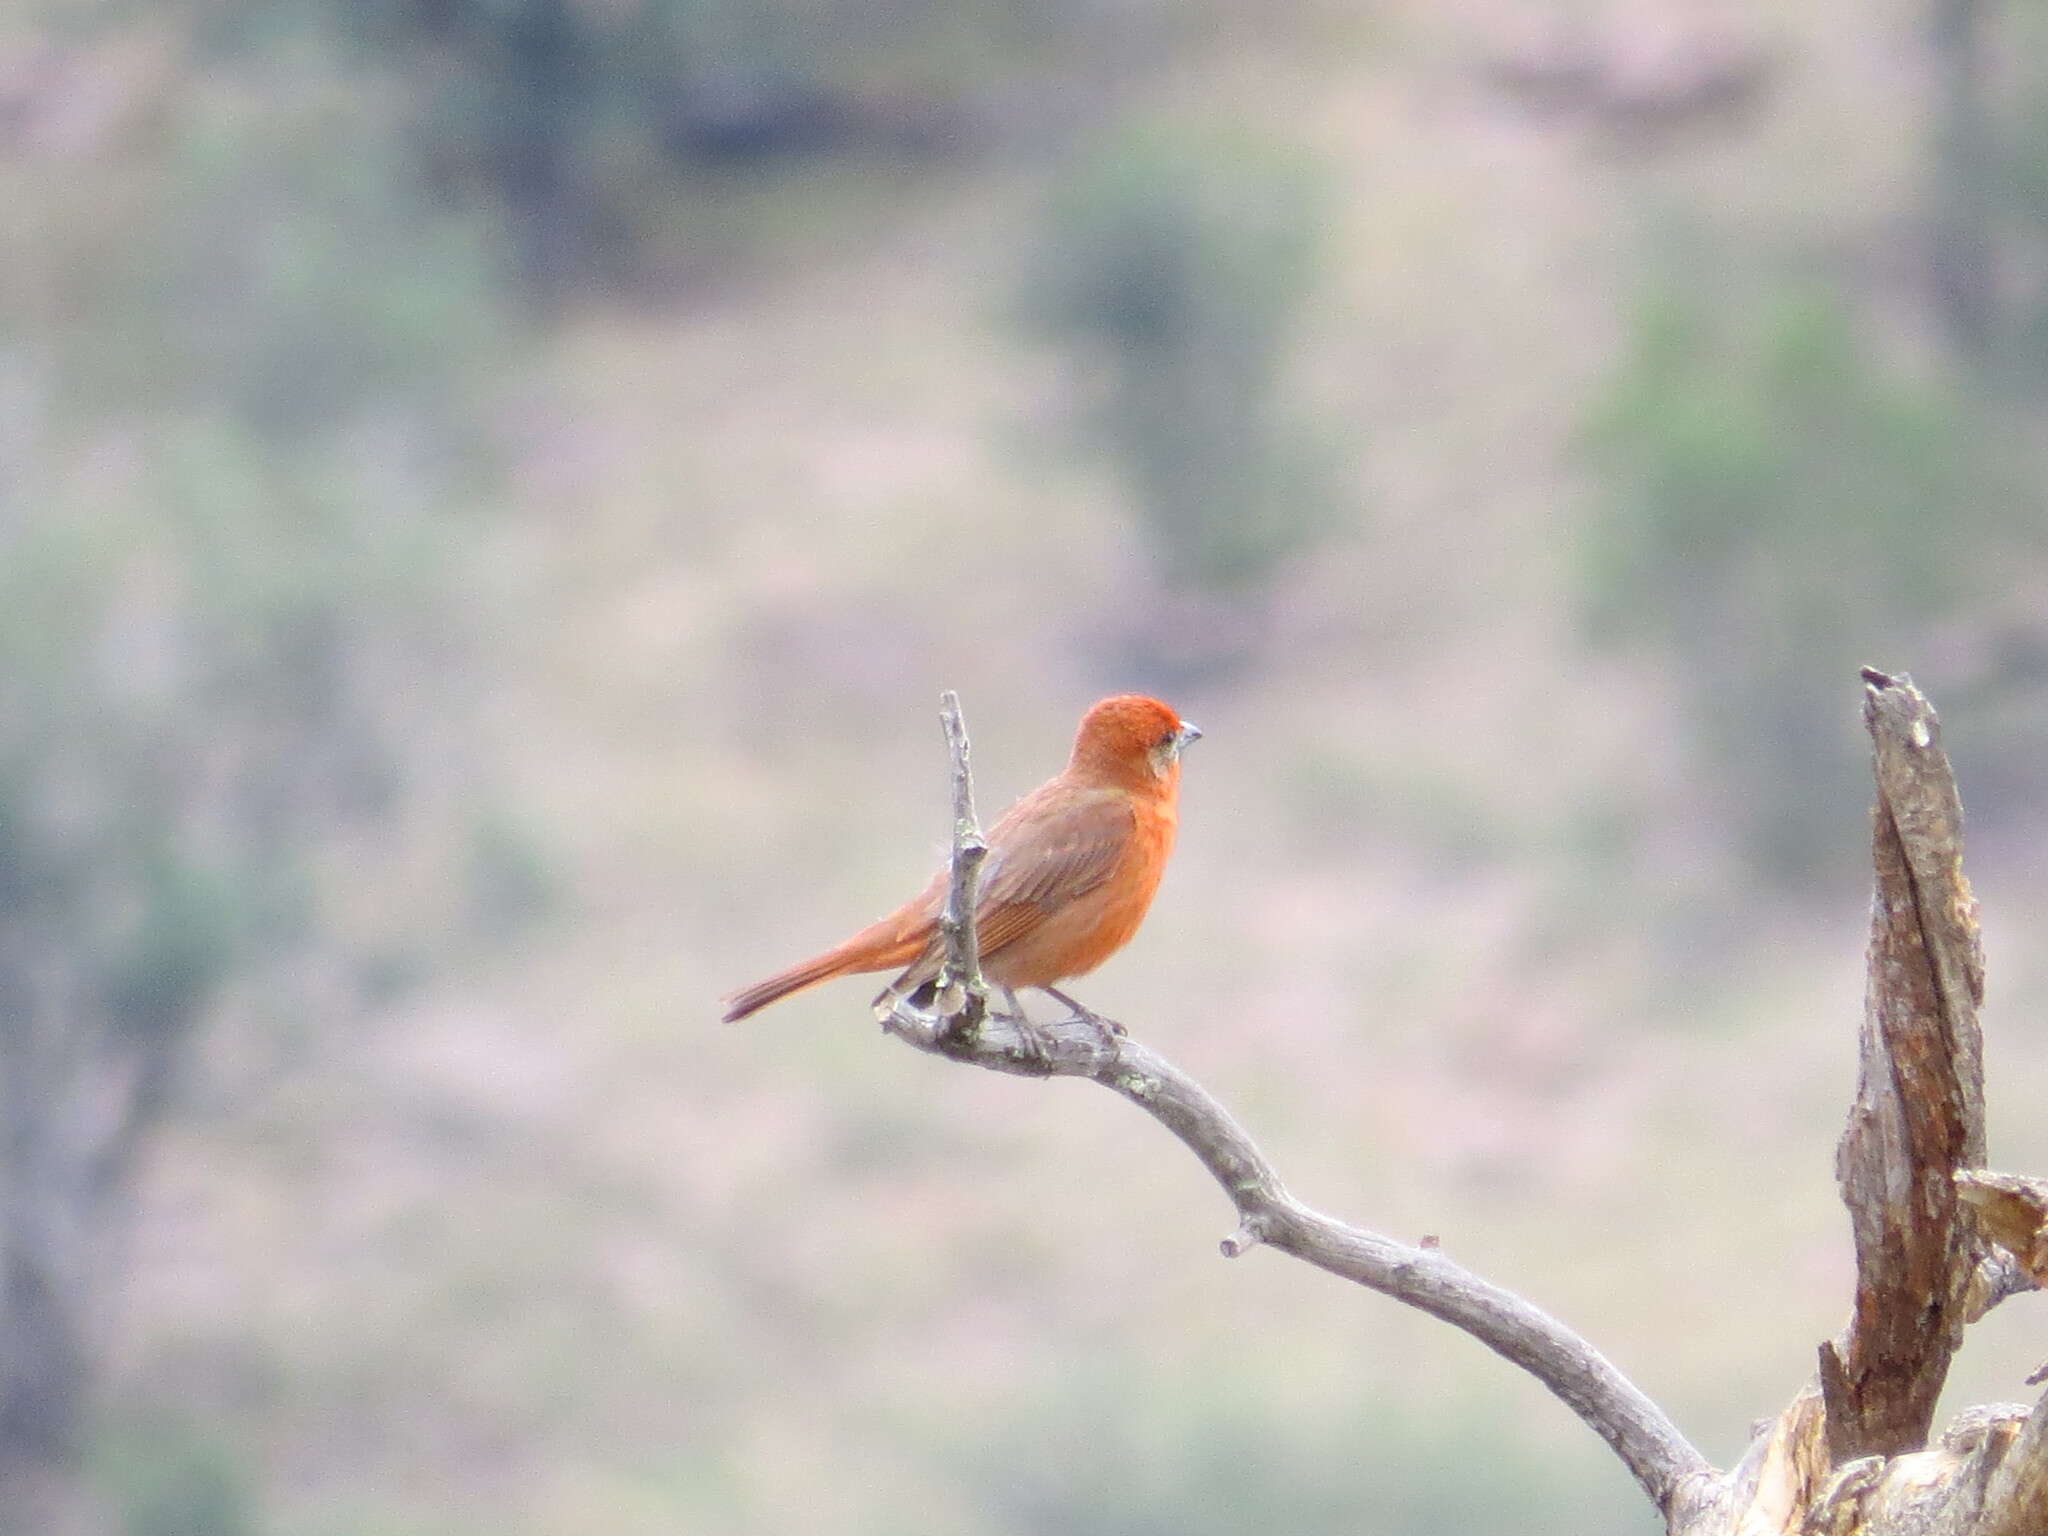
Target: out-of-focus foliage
[[170, 1480], [196, 644], [1781, 505], [1178, 261], [239, 381], [237, 358], [1987, 196], [2011, 192], [249, 243], [610, 141], [1154, 1456]]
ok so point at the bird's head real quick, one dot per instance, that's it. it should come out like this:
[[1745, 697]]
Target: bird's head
[[1132, 740]]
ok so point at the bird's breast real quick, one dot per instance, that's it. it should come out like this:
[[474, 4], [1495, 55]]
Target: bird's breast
[[1083, 933]]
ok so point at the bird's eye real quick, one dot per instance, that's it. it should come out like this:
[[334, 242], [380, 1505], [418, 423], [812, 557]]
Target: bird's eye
[[1164, 741]]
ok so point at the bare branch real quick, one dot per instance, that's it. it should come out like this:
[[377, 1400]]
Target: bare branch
[[2013, 1212], [1669, 1469], [1919, 1110], [962, 995], [1423, 1277]]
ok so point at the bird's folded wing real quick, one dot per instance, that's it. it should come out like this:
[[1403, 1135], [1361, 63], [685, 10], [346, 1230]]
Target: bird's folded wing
[[1042, 856]]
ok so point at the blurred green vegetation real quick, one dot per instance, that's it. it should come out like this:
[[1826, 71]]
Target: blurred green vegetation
[[1178, 259], [243, 395], [1987, 199], [1153, 1454], [240, 368], [1782, 503], [269, 262], [612, 143], [170, 1478]]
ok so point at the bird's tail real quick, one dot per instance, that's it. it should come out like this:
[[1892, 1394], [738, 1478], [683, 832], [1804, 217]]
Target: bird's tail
[[819, 968], [878, 949]]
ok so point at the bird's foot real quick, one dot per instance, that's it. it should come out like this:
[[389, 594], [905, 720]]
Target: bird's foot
[[1031, 1048], [1031, 1042], [1083, 1015], [1034, 1047]]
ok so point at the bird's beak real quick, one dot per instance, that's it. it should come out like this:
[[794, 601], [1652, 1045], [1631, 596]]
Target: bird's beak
[[1188, 733]]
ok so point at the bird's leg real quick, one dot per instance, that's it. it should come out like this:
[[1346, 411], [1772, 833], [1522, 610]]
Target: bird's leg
[[1086, 1016], [1030, 1038]]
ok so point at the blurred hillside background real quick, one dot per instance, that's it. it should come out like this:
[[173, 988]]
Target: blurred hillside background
[[490, 492]]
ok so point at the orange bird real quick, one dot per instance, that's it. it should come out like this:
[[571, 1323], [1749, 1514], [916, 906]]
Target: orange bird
[[1071, 869]]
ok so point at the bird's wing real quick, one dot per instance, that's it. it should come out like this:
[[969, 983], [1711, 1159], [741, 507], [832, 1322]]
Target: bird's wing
[[1044, 854]]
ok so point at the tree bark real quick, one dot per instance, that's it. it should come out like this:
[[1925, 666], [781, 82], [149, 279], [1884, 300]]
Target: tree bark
[[1918, 1117]]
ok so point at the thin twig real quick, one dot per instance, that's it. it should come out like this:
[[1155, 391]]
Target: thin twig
[[1667, 1466], [963, 995]]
